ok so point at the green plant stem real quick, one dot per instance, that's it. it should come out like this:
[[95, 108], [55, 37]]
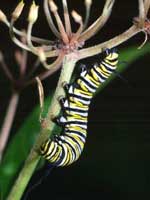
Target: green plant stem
[[69, 63], [34, 157], [8, 121]]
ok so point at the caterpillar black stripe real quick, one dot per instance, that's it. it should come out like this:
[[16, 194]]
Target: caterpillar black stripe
[[66, 148]]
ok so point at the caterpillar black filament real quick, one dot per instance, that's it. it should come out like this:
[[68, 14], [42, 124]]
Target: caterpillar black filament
[[66, 148]]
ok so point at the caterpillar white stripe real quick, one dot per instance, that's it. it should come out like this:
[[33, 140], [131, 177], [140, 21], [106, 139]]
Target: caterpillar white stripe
[[65, 149]]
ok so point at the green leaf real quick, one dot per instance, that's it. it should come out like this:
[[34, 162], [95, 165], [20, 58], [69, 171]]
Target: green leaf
[[18, 149]]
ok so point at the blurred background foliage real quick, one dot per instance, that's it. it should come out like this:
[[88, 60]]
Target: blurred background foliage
[[115, 163]]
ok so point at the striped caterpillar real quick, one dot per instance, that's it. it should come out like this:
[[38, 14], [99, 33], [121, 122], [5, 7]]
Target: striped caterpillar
[[66, 148]]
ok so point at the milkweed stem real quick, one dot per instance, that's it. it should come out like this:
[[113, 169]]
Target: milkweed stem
[[34, 157]]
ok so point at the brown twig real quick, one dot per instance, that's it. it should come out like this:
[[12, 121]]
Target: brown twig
[[8, 121], [5, 68]]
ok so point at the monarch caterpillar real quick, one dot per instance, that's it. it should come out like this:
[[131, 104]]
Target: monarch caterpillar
[[66, 148]]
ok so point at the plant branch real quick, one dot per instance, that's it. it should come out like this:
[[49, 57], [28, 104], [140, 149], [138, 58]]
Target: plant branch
[[8, 121], [34, 157], [52, 53], [91, 51], [14, 39], [5, 68]]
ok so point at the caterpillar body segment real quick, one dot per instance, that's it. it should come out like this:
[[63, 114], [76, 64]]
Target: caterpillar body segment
[[66, 148]]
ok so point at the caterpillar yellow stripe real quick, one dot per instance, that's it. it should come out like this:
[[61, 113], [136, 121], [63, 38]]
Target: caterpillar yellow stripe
[[66, 148]]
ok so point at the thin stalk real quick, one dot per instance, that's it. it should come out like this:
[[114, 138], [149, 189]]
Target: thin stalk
[[55, 64], [67, 18], [49, 19], [61, 28], [23, 64], [8, 121], [43, 75], [29, 42], [141, 13], [33, 69], [80, 22], [34, 157], [5, 68], [52, 53], [14, 39], [23, 34], [99, 23], [88, 9], [147, 6]]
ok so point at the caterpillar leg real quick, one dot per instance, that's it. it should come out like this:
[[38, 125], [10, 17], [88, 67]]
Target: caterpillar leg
[[62, 101], [108, 52], [83, 67], [58, 120], [66, 87]]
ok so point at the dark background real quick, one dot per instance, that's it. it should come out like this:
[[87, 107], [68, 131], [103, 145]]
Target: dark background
[[115, 163]]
